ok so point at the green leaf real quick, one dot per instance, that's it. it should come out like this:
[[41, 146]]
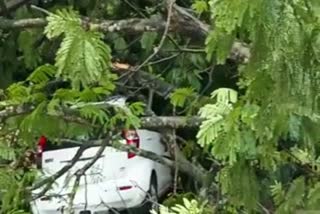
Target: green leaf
[[64, 21], [42, 74], [147, 40], [277, 192], [200, 6], [246, 191], [137, 108], [294, 196], [94, 113], [219, 44], [215, 126], [7, 152], [179, 96], [18, 93], [225, 95], [120, 44], [82, 57], [313, 201], [31, 55]]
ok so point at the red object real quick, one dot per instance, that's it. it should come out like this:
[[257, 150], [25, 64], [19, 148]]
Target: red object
[[125, 187], [40, 149], [132, 138], [41, 145]]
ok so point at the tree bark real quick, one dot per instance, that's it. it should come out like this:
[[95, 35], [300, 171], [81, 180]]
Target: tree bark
[[152, 122], [182, 22], [22, 23], [171, 122]]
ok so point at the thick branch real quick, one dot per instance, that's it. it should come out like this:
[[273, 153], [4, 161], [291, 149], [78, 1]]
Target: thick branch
[[146, 122], [22, 23], [185, 166], [171, 122], [131, 26], [182, 22], [12, 5], [15, 111]]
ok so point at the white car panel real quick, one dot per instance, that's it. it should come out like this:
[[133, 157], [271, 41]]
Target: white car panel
[[99, 188]]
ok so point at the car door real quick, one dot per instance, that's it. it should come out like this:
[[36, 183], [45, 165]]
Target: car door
[[151, 141], [164, 171]]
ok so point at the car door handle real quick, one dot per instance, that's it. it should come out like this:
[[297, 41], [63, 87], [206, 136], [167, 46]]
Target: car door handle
[[149, 138]]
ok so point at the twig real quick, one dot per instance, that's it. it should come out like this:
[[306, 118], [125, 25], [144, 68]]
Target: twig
[[135, 8], [86, 192], [210, 80], [183, 164], [263, 208], [40, 9], [166, 30], [107, 206], [81, 172], [181, 49], [50, 180], [150, 99], [163, 59], [148, 195], [190, 50], [175, 145]]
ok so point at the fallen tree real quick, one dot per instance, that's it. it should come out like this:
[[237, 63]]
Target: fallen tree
[[183, 22], [200, 175]]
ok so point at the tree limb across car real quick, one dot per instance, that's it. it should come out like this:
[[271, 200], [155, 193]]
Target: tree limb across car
[[197, 172]]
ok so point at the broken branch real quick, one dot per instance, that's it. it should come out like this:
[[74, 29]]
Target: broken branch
[[182, 22]]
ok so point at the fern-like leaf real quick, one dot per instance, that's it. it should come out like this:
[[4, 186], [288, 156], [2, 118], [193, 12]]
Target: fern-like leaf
[[277, 193], [64, 21], [42, 74], [180, 96], [82, 57], [214, 115]]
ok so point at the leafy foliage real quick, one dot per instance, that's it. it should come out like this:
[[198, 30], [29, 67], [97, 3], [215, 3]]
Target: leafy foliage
[[214, 115], [147, 40], [263, 132], [14, 198], [82, 53], [188, 207], [31, 55], [200, 6], [180, 95], [42, 74], [280, 83]]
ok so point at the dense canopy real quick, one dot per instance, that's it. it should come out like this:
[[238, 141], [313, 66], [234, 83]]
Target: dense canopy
[[233, 85]]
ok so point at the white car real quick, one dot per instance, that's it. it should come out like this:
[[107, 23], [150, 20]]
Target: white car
[[117, 181]]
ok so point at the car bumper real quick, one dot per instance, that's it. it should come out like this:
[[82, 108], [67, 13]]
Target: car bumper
[[94, 198]]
